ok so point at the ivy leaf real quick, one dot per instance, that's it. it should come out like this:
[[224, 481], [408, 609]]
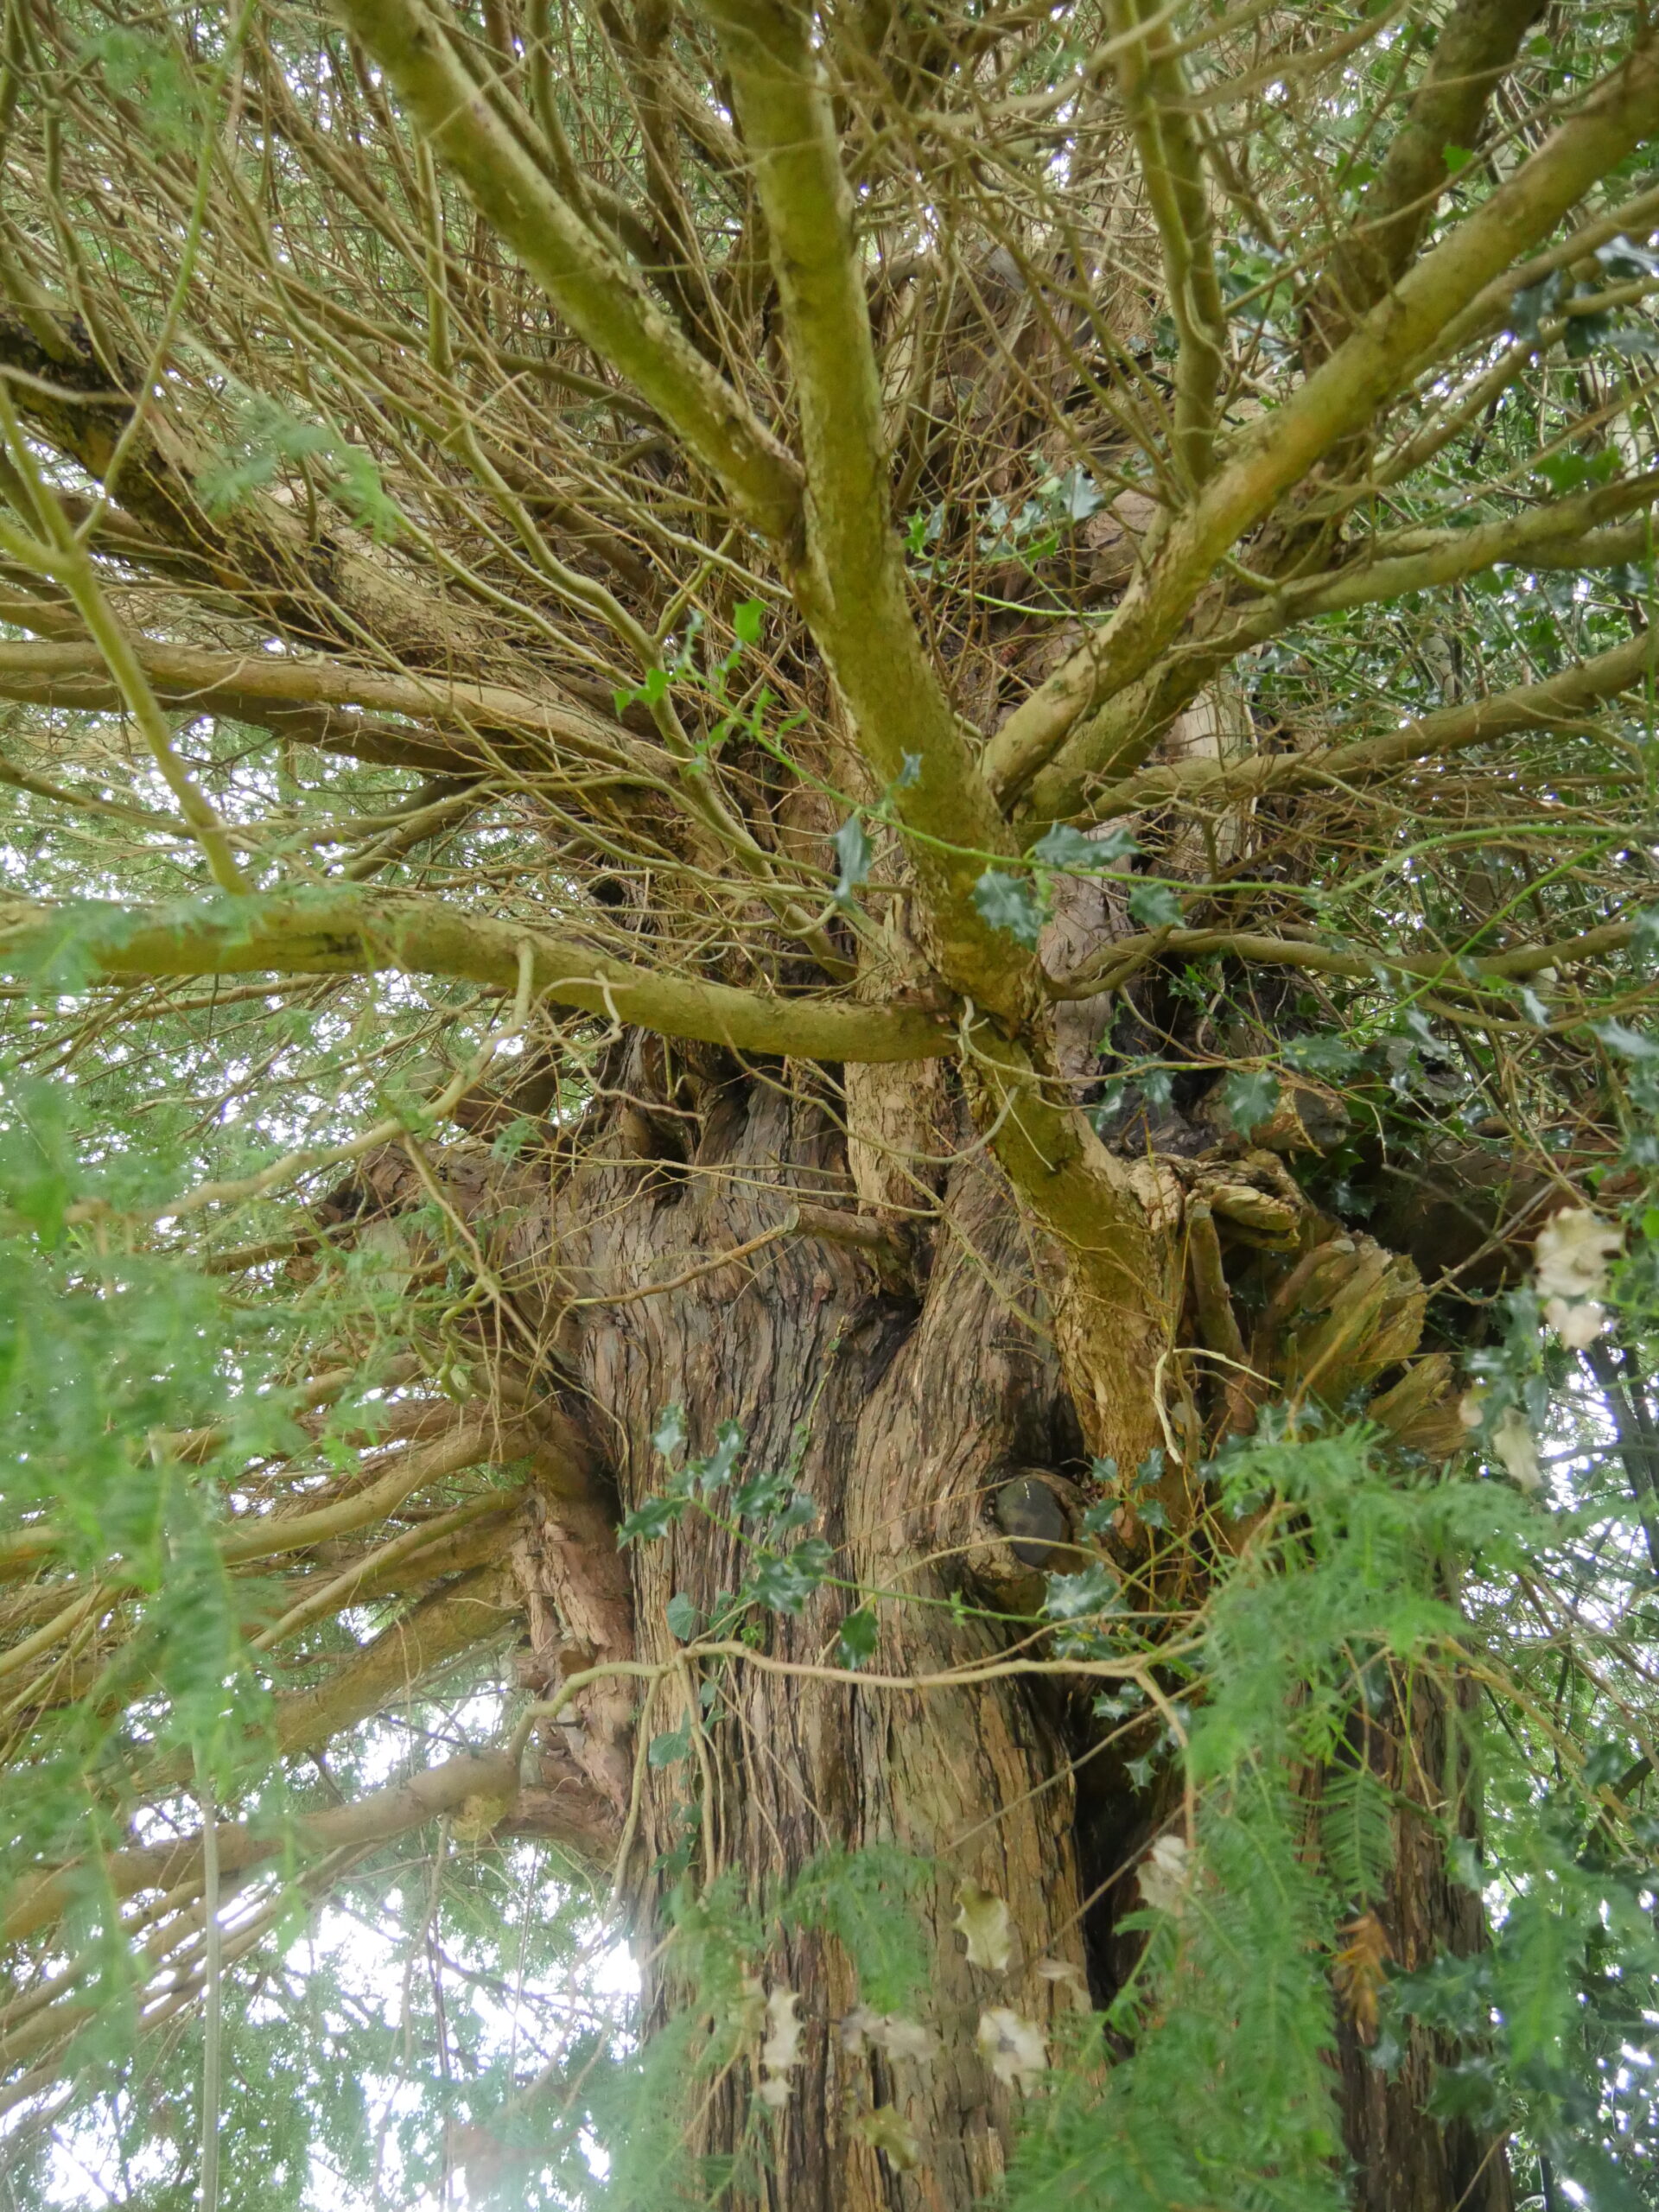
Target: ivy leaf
[[1622, 259], [923, 530], [1531, 304], [1585, 333], [1155, 907], [1076, 496], [800, 1513], [747, 619], [683, 1617], [854, 852], [650, 693], [1157, 1087], [1326, 1056], [1251, 1094], [670, 1748], [714, 1473], [1006, 903], [857, 1639]]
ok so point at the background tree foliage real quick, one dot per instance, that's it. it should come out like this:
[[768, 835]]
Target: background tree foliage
[[739, 738]]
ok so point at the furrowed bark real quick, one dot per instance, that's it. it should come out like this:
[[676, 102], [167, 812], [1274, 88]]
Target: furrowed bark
[[807, 1354]]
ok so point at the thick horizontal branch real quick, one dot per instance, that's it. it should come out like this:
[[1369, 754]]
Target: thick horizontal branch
[[469, 1446], [472, 1535], [482, 1789], [481, 723], [1113, 742], [1446, 969], [1560, 699], [465, 1616], [268, 1534], [1563, 534], [355, 933]]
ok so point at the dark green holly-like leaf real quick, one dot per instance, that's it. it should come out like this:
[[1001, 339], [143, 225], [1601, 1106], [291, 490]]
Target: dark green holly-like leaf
[[670, 1747], [858, 1637], [652, 1518], [1155, 907], [1325, 1056], [1079, 1597], [1069, 850], [854, 852], [800, 1512], [784, 1585], [1007, 902], [1251, 1094], [760, 1494], [712, 1473]]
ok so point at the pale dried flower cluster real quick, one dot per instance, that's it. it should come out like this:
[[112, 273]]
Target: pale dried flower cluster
[[1575, 1250], [1164, 1874]]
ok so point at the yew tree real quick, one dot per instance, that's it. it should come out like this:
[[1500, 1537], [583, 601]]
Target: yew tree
[[828, 1142]]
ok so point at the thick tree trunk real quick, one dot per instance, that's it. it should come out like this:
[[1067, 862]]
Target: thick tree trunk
[[1404, 2162], [899, 1414], [900, 1398]]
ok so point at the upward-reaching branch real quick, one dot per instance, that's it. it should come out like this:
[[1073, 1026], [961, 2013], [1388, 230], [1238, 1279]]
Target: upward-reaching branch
[[1445, 118], [580, 272], [1155, 91], [850, 584], [1341, 397]]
